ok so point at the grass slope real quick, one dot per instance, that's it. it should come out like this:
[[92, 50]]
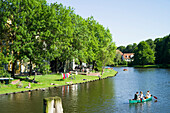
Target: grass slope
[[46, 80]]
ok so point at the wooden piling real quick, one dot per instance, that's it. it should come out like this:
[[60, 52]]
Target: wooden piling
[[58, 105], [48, 105], [53, 105]]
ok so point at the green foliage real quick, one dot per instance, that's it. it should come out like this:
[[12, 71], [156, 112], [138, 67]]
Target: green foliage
[[121, 48], [160, 47], [143, 54], [151, 44], [123, 63], [38, 33], [162, 50], [3, 61], [44, 68], [4, 73], [128, 49], [118, 59]]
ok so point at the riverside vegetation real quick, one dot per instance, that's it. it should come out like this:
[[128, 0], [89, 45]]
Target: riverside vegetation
[[149, 53], [44, 81], [47, 37]]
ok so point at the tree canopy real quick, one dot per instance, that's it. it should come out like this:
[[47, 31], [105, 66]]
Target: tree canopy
[[157, 50], [44, 33], [143, 54]]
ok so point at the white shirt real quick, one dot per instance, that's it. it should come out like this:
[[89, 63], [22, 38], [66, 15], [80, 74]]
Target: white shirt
[[141, 95], [148, 95]]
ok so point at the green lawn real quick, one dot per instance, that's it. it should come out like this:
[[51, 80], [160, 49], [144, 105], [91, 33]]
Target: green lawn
[[121, 66], [44, 81], [153, 66]]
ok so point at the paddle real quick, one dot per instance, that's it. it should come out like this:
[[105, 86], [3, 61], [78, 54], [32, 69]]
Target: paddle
[[155, 97]]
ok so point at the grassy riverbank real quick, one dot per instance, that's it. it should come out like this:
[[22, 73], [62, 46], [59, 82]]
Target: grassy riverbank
[[121, 66], [152, 66], [146, 66], [44, 81]]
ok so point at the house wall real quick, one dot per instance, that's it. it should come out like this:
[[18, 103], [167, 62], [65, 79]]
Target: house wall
[[128, 57], [8, 67]]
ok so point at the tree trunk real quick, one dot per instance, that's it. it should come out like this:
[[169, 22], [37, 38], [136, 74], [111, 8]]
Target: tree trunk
[[56, 65], [13, 69], [52, 65], [64, 66], [80, 65], [30, 67], [93, 65], [102, 71]]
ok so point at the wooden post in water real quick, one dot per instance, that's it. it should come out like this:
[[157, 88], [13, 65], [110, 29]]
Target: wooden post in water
[[58, 105], [53, 105], [48, 105]]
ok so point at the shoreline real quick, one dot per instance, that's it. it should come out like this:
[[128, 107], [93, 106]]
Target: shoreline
[[145, 66], [56, 86], [151, 66]]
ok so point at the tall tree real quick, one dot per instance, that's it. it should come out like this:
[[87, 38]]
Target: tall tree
[[64, 33], [12, 18], [80, 39], [151, 44], [128, 49], [162, 50], [29, 25], [121, 48], [158, 50], [93, 42], [143, 54], [107, 49], [133, 47], [118, 58]]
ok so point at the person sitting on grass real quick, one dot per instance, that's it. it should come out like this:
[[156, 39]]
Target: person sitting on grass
[[29, 85], [20, 85]]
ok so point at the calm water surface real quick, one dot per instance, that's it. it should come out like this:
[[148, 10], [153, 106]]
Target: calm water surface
[[105, 96]]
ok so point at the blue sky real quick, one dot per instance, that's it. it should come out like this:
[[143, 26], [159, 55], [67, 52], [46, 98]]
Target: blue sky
[[130, 21]]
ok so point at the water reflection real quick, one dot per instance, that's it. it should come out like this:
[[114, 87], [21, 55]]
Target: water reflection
[[107, 95], [88, 97], [144, 70], [140, 107]]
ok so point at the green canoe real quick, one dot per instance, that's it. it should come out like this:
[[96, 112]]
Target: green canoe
[[139, 101]]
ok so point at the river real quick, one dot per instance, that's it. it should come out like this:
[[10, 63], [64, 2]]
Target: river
[[105, 96]]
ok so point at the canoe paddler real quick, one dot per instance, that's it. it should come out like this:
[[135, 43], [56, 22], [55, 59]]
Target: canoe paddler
[[136, 97], [148, 95]]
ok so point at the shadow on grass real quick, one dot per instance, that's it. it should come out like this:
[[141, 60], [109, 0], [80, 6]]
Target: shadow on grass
[[27, 80], [59, 80]]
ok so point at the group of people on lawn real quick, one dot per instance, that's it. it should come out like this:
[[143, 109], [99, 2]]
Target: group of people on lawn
[[141, 96]]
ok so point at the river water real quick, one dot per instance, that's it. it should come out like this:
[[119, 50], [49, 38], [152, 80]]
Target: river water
[[105, 96]]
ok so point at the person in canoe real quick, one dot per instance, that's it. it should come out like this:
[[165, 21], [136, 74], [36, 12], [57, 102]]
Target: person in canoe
[[141, 96], [136, 97], [148, 95]]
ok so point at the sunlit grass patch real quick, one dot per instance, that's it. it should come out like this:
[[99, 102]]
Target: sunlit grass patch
[[44, 81]]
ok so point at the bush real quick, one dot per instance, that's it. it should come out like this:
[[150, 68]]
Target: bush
[[123, 62], [44, 69], [4, 73]]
